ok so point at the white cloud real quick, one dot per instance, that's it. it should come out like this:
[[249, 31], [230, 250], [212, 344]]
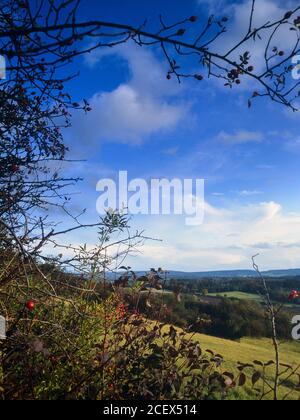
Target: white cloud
[[241, 136], [126, 115], [248, 193], [227, 239], [134, 110]]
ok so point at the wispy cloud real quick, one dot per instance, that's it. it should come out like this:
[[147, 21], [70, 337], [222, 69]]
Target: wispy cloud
[[241, 136], [217, 194], [248, 193], [172, 151], [265, 166]]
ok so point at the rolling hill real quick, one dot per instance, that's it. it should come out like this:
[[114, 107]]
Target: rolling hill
[[184, 275]]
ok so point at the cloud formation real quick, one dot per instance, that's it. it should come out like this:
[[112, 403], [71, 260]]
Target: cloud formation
[[134, 110], [227, 239]]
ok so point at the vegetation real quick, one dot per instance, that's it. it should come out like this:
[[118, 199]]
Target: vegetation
[[250, 296], [225, 317], [250, 349], [70, 333]]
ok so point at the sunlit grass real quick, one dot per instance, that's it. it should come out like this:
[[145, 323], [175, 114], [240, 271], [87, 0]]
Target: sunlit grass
[[248, 350], [246, 296]]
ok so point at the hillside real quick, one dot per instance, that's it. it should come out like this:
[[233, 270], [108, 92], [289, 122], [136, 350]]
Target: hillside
[[234, 274], [246, 351]]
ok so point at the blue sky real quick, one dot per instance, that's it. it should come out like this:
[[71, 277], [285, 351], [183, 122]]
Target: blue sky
[[155, 128]]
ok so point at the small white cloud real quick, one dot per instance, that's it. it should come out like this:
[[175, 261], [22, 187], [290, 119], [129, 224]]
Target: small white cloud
[[133, 111], [248, 193], [265, 167], [241, 136], [172, 151], [125, 115]]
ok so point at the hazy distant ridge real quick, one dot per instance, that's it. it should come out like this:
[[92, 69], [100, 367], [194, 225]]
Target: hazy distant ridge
[[234, 273], [183, 275]]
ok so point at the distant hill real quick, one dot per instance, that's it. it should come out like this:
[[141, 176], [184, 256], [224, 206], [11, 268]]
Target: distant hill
[[233, 273], [183, 275]]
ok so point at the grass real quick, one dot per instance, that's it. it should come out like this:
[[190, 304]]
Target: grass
[[248, 350], [247, 296], [238, 295]]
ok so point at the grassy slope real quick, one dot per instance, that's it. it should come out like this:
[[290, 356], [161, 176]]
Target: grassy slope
[[248, 350]]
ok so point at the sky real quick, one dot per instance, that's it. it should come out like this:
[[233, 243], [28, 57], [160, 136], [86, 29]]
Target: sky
[[155, 128]]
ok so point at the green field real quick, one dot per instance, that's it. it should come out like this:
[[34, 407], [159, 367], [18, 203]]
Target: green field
[[238, 295], [247, 296], [248, 350]]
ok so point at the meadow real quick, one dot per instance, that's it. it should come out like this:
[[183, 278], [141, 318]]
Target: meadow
[[246, 296], [238, 295], [247, 350]]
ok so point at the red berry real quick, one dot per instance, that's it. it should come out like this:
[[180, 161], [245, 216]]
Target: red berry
[[15, 168], [238, 82], [193, 18], [251, 68], [169, 77], [281, 53], [294, 295], [53, 359], [30, 305]]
